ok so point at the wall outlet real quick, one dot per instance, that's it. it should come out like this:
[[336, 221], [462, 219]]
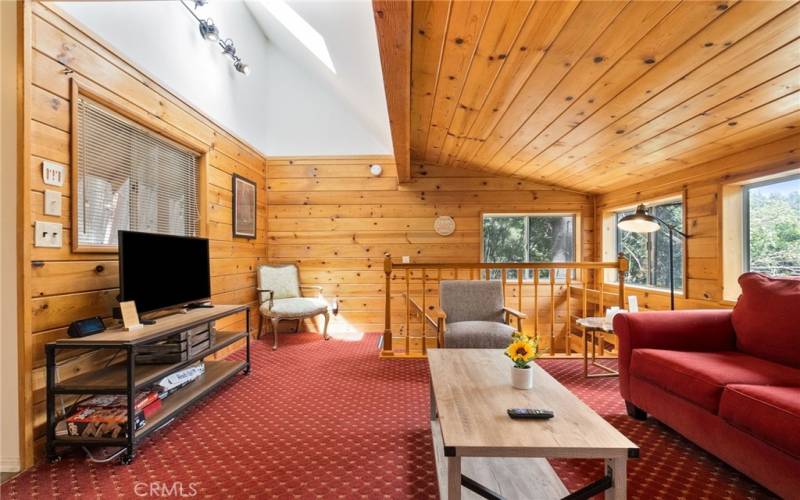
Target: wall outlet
[[406, 259], [52, 173], [47, 234], [52, 203]]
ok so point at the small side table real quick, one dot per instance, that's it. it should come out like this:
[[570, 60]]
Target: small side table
[[595, 326]]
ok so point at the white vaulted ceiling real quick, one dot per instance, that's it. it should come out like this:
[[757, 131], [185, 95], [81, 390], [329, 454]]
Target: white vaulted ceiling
[[291, 103]]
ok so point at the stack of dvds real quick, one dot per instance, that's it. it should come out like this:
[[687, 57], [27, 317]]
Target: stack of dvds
[[107, 415]]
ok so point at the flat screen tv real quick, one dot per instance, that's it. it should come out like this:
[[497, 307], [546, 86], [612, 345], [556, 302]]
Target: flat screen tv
[[158, 271]]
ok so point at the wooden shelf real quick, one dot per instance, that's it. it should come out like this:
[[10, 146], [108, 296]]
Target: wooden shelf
[[216, 373], [113, 379]]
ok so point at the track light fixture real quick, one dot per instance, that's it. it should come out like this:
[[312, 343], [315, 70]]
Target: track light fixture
[[210, 32], [241, 67], [228, 49]]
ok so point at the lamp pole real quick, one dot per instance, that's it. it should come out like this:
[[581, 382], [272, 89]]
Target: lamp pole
[[672, 229]]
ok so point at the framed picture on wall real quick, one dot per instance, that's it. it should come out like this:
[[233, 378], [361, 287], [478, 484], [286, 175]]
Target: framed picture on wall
[[244, 207]]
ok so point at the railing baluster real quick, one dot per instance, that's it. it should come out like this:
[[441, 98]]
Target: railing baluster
[[536, 302], [568, 324], [387, 331], [585, 305], [519, 289], [602, 311], [503, 283], [408, 306], [552, 312], [424, 310]]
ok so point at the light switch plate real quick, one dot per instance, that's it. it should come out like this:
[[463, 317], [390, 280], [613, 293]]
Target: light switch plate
[[52, 173], [406, 259], [47, 234], [52, 203]]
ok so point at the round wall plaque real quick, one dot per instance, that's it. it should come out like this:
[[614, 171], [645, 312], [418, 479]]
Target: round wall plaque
[[444, 225]]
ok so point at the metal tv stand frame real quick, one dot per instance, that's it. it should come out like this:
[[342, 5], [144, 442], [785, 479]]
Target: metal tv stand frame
[[127, 377]]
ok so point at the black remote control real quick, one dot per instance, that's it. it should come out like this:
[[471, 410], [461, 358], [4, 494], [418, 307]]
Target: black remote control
[[530, 413]]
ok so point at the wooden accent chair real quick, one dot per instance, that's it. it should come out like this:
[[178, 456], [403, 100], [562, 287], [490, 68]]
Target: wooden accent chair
[[473, 315], [279, 299]]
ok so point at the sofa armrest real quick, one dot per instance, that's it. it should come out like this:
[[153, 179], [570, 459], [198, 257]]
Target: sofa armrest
[[689, 330]]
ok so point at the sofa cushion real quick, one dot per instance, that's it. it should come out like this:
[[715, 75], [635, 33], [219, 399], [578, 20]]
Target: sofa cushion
[[766, 318], [700, 377], [478, 334], [769, 413]]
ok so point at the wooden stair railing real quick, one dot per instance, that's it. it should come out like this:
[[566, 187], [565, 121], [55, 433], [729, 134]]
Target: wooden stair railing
[[569, 278]]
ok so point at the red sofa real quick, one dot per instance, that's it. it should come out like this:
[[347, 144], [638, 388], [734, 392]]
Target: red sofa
[[727, 380]]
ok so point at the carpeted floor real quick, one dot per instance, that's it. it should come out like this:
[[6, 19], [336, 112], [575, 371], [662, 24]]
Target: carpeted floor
[[330, 420]]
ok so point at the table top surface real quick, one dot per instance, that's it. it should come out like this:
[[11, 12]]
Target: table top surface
[[472, 389], [162, 326], [596, 322]]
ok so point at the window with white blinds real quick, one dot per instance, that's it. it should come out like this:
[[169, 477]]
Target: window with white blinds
[[130, 178]]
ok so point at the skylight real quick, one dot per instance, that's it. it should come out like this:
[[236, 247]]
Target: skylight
[[304, 32]]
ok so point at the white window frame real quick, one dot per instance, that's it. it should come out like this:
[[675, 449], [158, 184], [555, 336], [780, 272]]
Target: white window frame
[[746, 213], [735, 230]]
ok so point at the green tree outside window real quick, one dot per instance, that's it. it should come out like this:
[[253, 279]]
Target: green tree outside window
[[772, 227], [528, 238], [648, 253]]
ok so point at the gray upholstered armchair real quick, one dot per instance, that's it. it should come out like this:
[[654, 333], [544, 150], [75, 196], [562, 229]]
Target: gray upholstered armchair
[[473, 315], [279, 298]]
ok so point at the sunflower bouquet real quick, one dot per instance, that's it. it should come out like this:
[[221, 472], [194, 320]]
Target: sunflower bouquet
[[523, 349]]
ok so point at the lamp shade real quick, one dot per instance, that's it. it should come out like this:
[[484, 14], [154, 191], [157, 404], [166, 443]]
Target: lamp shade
[[639, 222]]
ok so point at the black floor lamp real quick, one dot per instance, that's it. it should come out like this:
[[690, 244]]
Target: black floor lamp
[[642, 222]]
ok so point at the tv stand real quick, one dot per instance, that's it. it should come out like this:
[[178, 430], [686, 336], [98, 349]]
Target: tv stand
[[128, 377]]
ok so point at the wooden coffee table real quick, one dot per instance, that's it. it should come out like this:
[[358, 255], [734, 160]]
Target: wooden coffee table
[[479, 447]]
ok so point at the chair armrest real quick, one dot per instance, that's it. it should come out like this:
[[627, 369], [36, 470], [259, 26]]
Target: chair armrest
[[270, 293], [516, 313], [314, 287], [438, 313], [689, 330]]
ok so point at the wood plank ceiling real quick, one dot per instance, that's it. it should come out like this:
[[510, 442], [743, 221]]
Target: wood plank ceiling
[[596, 95]]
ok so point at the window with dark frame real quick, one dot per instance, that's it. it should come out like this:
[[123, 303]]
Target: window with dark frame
[[771, 227], [648, 253], [128, 177], [528, 238]]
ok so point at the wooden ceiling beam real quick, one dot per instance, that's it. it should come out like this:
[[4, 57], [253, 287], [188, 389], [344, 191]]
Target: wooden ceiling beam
[[393, 24]]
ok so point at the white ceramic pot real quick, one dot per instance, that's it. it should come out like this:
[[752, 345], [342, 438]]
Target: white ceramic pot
[[521, 378]]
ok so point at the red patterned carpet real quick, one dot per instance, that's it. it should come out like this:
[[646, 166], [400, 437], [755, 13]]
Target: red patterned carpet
[[330, 420]]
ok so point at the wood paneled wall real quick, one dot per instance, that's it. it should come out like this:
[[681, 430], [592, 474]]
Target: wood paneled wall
[[702, 185], [336, 221], [61, 286]]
